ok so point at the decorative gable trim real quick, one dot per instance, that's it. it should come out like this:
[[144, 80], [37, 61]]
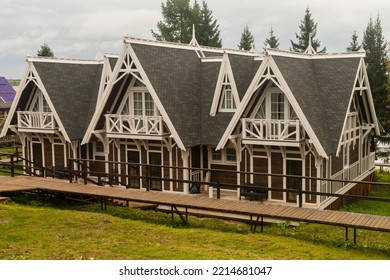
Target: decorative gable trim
[[128, 63], [225, 77], [361, 87], [31, 75], [268, 70]]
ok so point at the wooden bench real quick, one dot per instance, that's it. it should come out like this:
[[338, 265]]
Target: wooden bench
[[60, 172], [254, 192]]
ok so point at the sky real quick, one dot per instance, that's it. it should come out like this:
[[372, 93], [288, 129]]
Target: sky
[[82, 28]]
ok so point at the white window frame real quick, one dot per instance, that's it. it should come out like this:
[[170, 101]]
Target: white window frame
[[267, 99], [224, 105], [129, 101], [95, 148], [41, 100], [224, 156]]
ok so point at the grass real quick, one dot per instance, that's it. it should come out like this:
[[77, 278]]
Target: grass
[[43, 227], [374, 207]]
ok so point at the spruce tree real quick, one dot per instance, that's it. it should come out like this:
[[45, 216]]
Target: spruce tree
[[272, 41], [376, 55], [176, 25], [354, 45], [247, 39], [209, 34], [45, 51], [179, 18], [307, 27]]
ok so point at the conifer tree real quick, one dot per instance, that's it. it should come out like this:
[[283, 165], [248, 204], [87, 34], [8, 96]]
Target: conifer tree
[[176, 25], [45, 51], [272, 41], [376, 55], [307, 28], [179, 18], [209, 34], [247, 39], [354, 46]]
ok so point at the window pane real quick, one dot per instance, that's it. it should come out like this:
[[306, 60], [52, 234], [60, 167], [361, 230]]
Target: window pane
[[216, 155], [137, 102], [230, 154], [277, 106], [149, 105]]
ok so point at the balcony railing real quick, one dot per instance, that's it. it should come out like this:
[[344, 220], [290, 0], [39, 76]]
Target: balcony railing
[[278, 130], [135, 125], [36, 120]]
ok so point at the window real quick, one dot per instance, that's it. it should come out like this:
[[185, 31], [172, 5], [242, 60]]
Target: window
[[138, 103], [277, 106], [99, 148], [230, 154], [225, 156], [39, 103], [227, 101], [216, 155]]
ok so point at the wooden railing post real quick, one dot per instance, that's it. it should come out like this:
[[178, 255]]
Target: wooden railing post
[[12, 165], [69, 170], [85, 171], [218, 187], [148, 180]]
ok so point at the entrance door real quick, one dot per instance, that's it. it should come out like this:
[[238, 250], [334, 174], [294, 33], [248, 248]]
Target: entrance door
[[37, 154], [293, 167], [133, 169], [155, 171], [37, 157]]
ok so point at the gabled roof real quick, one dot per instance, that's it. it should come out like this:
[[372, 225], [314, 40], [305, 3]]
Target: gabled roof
[[72, 88], [323, 89], [185, 86], [321, 86]]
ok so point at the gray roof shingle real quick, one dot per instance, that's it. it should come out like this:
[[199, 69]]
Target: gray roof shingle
[[322, 88], [73, 90]]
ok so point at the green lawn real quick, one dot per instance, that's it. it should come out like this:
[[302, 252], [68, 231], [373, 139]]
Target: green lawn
[[51, 228]]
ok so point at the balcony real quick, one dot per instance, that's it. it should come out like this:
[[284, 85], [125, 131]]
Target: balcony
[[272, 132], [138, 127], [36, 121]]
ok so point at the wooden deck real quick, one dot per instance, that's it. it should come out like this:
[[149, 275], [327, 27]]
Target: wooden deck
[[177, 201]]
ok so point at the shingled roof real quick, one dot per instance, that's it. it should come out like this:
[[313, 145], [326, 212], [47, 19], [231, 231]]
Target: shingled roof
[[323, 89], [73, 90]]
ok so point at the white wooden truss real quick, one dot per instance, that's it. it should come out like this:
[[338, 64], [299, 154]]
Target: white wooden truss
[[281, 132], [28, 120], [225, 79], [137, 127]]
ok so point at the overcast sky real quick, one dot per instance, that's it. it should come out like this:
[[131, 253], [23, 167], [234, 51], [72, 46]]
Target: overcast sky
[[81, 28]]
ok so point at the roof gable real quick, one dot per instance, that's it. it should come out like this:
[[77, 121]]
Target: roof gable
[[322, 88], [73, 90]]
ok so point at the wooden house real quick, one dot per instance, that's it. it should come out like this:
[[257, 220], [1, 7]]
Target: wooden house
[[194, 107]]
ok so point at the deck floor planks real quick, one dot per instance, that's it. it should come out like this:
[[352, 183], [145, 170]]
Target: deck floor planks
[[243, 207]]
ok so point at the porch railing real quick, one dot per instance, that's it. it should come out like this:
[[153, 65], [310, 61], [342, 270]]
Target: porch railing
[[36, 120], [281, 130], [128, 124]]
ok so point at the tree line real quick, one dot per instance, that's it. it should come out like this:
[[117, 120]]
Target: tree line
[[179, 17]]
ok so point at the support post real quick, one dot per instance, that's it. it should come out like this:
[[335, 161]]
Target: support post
[[85, 171], [346, 233], [12, 165], [69, 171], [218, 187]]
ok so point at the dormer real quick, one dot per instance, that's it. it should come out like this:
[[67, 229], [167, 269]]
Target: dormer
[[226, 97]]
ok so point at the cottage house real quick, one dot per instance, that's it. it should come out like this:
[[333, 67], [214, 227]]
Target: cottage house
[[188, 106]]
